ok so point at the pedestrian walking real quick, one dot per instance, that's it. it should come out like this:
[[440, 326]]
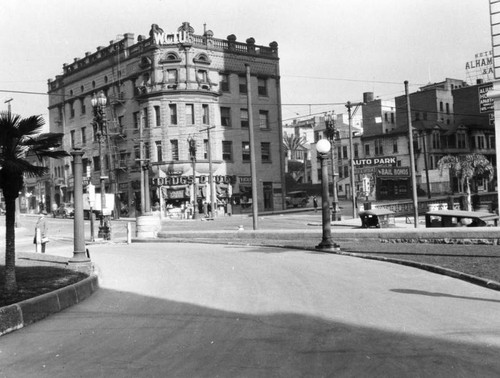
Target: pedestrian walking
[[315, 204], [41, 232]]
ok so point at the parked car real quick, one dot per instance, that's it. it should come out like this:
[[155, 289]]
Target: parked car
[[65, 210], [297, 198]]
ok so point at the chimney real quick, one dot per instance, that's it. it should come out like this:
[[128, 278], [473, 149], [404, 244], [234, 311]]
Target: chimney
[[367, 97]]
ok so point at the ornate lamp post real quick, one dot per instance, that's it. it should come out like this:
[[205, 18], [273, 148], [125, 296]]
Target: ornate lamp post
[[99, 105], [80, 260], [331, 134], [323, 147]]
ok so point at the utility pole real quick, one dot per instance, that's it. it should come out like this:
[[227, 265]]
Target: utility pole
[[351, 157], [426, 167], [210, 171], [412, 157], [192, 153], [253, 170], [141, 158], [9, 109]]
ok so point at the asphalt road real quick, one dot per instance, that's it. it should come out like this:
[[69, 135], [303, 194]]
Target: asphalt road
[[194, 310]]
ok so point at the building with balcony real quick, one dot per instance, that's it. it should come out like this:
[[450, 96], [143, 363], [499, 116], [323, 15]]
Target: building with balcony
[[163, 91]]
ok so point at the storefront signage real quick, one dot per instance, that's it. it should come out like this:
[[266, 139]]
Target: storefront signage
[[245, 179], [375, 161], [393, 172], [188, 180], [485, 102]]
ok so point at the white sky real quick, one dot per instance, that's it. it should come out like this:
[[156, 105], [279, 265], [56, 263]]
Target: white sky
[[331, 51]]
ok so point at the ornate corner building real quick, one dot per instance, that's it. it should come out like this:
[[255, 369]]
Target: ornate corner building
[[163, 92]]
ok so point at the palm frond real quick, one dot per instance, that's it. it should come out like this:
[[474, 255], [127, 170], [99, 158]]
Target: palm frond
[[30, 126]]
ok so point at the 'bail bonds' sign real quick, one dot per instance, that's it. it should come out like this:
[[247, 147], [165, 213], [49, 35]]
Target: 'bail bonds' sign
[[375, 161], [393, 172]]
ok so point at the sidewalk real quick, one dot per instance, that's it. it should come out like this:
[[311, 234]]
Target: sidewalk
[[305, 226]]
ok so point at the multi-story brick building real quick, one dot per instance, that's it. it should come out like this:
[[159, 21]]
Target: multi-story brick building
[[169, 89]]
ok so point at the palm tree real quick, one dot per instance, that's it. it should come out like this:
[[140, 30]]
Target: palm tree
[[291, 144], [20, 137], [465, 167]]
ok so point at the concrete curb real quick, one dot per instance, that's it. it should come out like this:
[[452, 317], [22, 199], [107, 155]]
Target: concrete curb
[[490, 284], [479, 235], [19, 315]]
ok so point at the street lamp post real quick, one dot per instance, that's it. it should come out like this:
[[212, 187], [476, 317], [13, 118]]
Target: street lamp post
[[323, 147], [80, 260], [99, 104], [331, 135]]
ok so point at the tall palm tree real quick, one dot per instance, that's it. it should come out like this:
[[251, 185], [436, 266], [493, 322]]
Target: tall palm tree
[[293, 143], [20, 137], [465, 167]]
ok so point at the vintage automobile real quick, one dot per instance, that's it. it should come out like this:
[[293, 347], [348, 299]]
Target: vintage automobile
[[65, 210], [460, 218], [297, 198], [379, 218]]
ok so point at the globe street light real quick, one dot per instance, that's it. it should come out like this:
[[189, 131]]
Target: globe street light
[[323, 147], [99, 104]]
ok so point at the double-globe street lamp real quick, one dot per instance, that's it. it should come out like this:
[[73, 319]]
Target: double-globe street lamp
[[323, 146], [99, 104]]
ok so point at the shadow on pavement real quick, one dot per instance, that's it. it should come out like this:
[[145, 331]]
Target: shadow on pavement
[[122, 334]]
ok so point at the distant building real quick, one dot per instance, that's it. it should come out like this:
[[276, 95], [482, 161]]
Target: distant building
[[172, 88]]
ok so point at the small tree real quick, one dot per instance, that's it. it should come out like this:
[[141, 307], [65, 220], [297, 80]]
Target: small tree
[[465, 168], [20, 137]]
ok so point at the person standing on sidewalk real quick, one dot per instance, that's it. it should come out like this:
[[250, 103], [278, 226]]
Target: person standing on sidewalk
[[41, 230], [315, 204]]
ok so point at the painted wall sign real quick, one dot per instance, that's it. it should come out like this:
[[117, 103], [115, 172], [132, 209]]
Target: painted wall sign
[[485, 103], [393, 172], [375, 161]]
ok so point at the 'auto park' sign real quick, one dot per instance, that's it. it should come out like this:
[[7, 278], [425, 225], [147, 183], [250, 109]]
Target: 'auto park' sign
[[375, 161]]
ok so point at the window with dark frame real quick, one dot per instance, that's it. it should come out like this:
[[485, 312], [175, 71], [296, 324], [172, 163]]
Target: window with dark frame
[[245, 151], [83, 109], [157, 116], [242, 84], [224, 82], [265, 152], [136, 120], [173, 114], [227, 150], [84, 135], [190, 114], [206, 114], [244, 118], [145, 119], [225, 116], [174, 148], [96, 162], [263, 119], [159, 151], [262, 86]]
